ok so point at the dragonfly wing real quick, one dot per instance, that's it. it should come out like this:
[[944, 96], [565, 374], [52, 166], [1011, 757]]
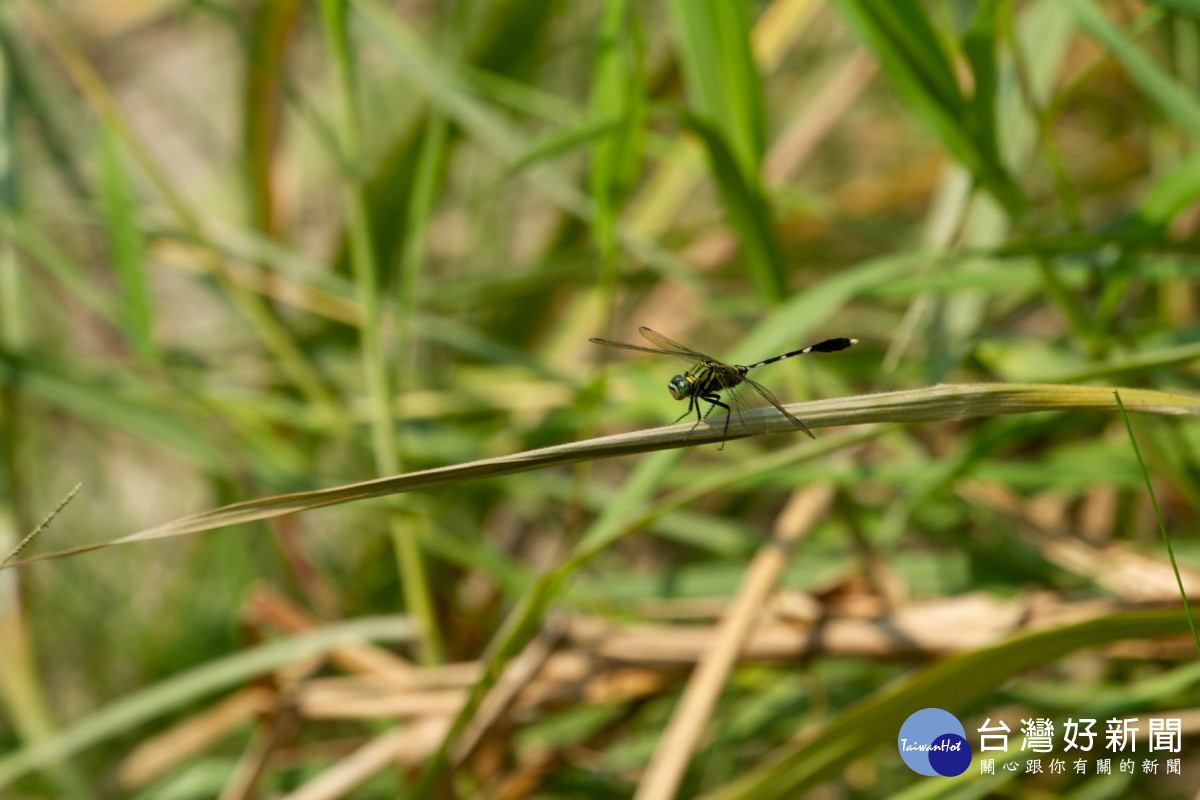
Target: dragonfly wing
[[770, 398], [627, 346], [673, 347]]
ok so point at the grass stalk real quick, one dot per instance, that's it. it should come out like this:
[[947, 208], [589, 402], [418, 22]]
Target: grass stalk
[[369, 280]]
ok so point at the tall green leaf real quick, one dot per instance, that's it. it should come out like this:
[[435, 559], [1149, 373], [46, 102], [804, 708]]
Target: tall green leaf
[[726, 109], [916, 61]]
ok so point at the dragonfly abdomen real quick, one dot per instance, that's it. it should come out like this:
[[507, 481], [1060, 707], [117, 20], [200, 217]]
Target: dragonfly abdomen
[[827, 346]]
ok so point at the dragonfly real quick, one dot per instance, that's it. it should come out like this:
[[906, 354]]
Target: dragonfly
[[708, 377]]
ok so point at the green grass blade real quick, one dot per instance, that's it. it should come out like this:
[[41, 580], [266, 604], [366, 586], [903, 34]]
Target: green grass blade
[[917, 64], [955, 684], [1187, 607], [618, 96], [126, 248], [564, 140], [726, 112], [369, 278], [979, 46], [1169, 196], [1173, 100], [749, 212], [65, 269], [723, 86]]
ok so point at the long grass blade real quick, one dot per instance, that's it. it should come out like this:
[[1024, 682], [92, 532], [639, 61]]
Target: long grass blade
[[1162, 528], [944, 402]]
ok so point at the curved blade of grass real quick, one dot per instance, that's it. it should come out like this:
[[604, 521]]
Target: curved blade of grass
[[1172, 98], [748, 209], [723, 86], [935, 403], [1158, 516], [954, 684], [176, 692], [726, 111], [107, 405], [129, 405], [564, 140], [908, 46], [617, 93]]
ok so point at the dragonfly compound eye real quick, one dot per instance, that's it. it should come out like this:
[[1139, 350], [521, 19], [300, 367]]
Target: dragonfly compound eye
[[680, 386]]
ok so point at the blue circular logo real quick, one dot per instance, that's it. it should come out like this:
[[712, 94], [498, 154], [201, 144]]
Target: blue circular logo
[[933, 742]]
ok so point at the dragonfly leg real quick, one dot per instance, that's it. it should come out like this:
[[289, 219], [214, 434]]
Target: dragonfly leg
[[692, 405], [714, 400]]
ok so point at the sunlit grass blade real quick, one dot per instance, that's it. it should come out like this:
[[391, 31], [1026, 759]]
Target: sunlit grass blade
[[943, 402], [726, 112], [723, 86], [617, 94]]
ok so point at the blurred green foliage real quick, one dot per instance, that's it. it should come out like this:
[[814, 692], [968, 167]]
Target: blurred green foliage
[[256, 248]]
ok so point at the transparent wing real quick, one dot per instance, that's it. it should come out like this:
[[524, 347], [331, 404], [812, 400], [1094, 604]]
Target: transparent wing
[[739, 402], [627, 346], [673, 347], [667, 347]]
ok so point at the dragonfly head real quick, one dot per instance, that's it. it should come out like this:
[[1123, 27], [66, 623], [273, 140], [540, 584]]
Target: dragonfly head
[[681, 386]]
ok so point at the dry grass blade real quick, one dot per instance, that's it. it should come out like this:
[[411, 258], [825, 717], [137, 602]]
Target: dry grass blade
[[402, 744], [686, 728], [935, 403]]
